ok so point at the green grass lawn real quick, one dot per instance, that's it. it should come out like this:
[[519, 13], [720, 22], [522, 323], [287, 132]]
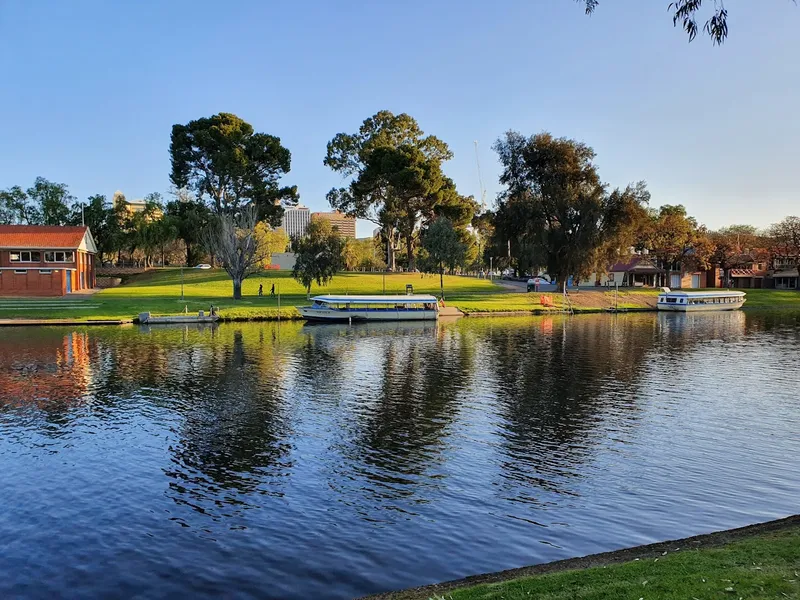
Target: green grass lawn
[[766, 566], [159, 292]]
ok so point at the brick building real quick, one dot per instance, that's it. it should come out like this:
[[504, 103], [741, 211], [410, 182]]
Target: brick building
[[37, 260]]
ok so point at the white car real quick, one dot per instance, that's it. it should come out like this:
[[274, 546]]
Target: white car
[[203, 266]]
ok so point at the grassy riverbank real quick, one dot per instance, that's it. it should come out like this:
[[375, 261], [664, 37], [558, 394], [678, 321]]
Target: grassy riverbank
[[159, 292], [755, 564]]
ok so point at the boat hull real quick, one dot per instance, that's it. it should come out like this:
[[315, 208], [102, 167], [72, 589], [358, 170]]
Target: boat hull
[[699, 307], [344, 316]]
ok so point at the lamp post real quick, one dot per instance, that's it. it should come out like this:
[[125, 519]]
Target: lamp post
[[181, 282]]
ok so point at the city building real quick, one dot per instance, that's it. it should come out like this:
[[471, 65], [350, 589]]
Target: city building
[[38, 260], [295, 220], [346, 226]]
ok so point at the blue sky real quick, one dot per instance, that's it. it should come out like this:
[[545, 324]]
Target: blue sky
[[90, 90]]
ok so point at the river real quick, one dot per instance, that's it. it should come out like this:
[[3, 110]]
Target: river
[[331, 461]]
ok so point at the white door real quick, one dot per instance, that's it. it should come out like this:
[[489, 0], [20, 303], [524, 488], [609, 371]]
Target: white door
[[695, 281], [675, 281]]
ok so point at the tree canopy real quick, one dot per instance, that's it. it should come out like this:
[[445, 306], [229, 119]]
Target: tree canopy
[[318, 254], [686, 14], [555, 212], [444, 246], [395, 178], [44, 203], [191, 218], [230, 166]]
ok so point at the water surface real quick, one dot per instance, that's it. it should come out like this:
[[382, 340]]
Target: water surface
[[333, 461]]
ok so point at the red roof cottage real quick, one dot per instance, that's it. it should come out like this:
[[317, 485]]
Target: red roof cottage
[[37, 260]]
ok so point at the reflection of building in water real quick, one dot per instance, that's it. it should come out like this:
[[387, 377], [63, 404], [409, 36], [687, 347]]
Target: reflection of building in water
[[45, 369]]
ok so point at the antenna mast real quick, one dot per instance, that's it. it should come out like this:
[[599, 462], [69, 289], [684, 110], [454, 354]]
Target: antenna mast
[[480, 179]]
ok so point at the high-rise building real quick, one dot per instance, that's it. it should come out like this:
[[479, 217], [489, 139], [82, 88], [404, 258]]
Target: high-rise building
[[346, 226], [295, 220]]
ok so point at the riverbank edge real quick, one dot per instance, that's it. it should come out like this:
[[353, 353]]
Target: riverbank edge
[[709, 540], [298, 317]]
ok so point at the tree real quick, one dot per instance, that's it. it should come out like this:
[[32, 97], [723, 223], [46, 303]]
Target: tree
[[318, 254], [555, 211], [233, 238], [223, 161], [672, 237], [273, 240], [395, 178], [97, 214], [784, 240], [686, 12], [52, 200], [16, 208], [445, 247], [190, 218]]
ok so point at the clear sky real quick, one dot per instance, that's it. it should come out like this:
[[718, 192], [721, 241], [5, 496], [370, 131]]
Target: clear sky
[[90, 89]]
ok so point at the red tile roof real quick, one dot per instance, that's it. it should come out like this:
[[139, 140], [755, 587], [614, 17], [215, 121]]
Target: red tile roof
[[40, 236], [637, 264], [747, 273]]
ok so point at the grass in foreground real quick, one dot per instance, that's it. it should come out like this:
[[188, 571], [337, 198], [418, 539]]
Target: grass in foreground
[[767, 566]]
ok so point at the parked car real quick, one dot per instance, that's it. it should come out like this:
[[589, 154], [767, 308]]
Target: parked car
[[538, 280], [203, 266]]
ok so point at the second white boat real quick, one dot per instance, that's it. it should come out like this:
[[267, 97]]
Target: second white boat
[[696, 301]]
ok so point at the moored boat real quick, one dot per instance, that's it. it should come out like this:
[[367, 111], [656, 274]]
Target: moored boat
[[411, 307], [669, 300], [148, 319]]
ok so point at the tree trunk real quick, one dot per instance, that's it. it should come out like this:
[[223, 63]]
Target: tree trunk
[[390, 257], [237, 289], [188, 255], [410, 251], [441, 280]]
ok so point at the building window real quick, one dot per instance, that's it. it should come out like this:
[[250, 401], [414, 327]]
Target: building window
[[21, 271], [45, 271], [60, 257], [25, 256]]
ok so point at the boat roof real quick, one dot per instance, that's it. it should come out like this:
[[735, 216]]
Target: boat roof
[[719, 294], [404, 299]]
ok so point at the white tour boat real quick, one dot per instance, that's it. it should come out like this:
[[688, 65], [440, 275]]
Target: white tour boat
[[695, 301], [412, 307]]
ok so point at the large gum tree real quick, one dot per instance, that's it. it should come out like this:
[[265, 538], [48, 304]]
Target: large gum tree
[[228, 165], [395, 179]]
